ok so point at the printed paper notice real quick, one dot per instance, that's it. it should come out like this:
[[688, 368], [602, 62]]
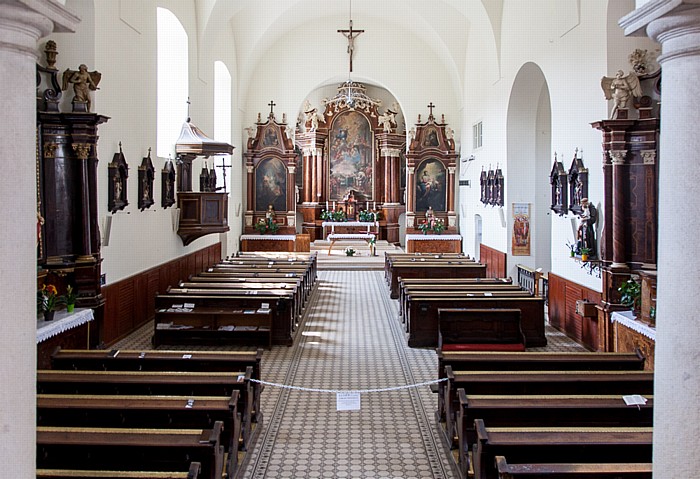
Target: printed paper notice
[[347, 401], [634, 400]]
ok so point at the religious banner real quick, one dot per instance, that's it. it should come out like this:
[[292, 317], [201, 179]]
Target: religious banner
[[521, 229]]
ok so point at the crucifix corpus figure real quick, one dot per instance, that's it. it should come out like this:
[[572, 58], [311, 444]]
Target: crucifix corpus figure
[[351, 35]]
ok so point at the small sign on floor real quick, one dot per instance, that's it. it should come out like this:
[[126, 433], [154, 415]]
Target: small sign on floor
[[349, 401]]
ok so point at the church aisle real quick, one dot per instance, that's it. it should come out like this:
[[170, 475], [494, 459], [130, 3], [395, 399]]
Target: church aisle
[[350, 340]]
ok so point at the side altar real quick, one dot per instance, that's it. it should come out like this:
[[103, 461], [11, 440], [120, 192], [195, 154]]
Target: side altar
[[419, 243]]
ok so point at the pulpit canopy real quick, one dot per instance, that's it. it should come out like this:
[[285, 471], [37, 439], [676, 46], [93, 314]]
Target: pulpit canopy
[[193, 141]]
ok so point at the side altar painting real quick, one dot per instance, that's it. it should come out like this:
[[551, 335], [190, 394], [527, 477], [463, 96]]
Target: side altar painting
[[430, 186], [271, 185], [350, 156]]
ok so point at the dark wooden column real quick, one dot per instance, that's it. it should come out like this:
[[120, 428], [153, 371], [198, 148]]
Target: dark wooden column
[[618, 199]]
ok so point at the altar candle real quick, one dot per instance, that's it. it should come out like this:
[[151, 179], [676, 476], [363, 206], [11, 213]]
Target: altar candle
[[326, 205], [334, 206], [367, 206], [374, 205]]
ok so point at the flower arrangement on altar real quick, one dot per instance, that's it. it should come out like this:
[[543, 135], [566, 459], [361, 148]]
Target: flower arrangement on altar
[[332, 215], [48, 299], [350, 251], [436, 225], [368, 216], [266, 225]]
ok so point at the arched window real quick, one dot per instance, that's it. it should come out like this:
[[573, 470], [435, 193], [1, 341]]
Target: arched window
[[173, 81], [222, 116]]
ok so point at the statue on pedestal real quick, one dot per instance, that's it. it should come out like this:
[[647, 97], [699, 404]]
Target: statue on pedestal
[[620, 89], [83, 81]]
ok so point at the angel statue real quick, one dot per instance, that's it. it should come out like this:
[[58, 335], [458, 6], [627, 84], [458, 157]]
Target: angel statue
[[619, 89], [83, 81], [387, 120]]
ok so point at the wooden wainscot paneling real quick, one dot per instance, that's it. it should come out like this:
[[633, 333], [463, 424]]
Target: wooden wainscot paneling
[[129, 303], [572, 310], [494, 260]]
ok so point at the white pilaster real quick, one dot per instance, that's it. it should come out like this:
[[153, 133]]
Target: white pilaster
[[22, 23], [676, 25]]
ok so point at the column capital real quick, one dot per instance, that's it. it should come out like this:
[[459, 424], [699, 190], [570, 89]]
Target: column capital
[[649, 157], [24, 22], [673, 23], [618, 156], [292, 170]]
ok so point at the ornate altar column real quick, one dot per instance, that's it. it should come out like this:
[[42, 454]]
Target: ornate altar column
[[390, 146], [410, 192], [21, 27], [291, 196], [250, 199], [675, 24], [618, 221], [451, 216], [307, 188]]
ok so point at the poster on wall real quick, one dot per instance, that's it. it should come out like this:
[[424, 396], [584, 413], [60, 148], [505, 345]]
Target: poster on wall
[[521, 229]]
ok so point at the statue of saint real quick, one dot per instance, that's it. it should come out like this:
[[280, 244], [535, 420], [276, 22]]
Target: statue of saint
[[586, 228], [270, 214]]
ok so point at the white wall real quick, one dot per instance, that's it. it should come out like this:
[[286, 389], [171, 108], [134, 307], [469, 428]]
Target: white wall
[[118, 39], [569, 44]]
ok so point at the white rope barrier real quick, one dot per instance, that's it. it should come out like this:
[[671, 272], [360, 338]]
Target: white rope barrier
[[340, 391]]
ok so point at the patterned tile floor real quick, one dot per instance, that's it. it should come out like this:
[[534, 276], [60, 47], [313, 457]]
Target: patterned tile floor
[[349, 339]]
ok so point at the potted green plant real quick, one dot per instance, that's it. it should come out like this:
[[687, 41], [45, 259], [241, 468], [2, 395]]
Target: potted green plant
[[584, 253], [630, 294], [264, 226], [71, 296], [372, 245], [350, 251]]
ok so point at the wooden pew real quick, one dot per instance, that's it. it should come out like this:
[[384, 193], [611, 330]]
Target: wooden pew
[[130, 449], [480, 330], [531, 361], [160, 383], [156, 412], [191, 473], [558, 445], [428, 269], [539, 382], [573, 471], [408, 287], [457, 292], [390, 258], [163, 360], [543, 411], [422, 315], [242, 276], [281, 303]]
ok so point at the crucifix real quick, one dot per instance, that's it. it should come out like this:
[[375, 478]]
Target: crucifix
[[431, 106], [351, 35], [272, 104], [223, 167]]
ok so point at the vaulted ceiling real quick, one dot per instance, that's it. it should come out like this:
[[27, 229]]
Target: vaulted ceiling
[[257, 25]]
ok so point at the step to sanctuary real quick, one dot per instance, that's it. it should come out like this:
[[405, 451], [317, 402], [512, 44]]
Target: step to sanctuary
[[361, 260]]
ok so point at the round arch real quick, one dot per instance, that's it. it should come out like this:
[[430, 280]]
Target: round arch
[[529, 138]]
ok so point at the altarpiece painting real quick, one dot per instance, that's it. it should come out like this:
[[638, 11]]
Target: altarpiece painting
[[350, 156]]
